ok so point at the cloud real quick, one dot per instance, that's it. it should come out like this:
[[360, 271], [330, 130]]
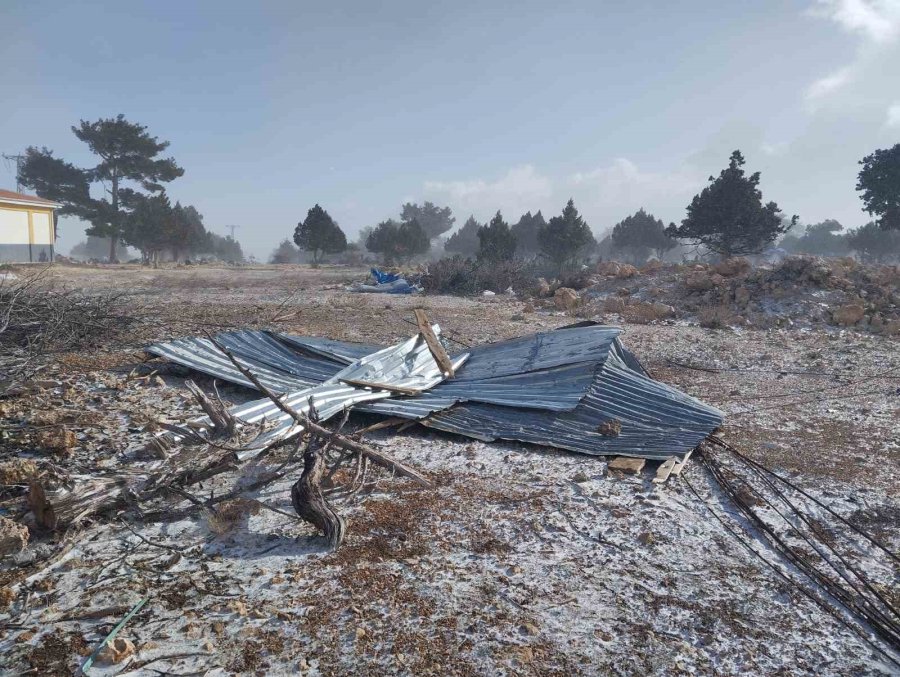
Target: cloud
[[893, 116], [875, 20], [604, 194], [877, 25], [830, 83], [512, 193]]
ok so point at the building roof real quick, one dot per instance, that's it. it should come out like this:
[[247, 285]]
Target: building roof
[[11, 197]]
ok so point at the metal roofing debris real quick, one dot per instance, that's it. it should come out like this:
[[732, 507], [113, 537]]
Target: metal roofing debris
[[575, 388]]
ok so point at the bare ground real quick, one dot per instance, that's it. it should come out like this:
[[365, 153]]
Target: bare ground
[[523, 560]]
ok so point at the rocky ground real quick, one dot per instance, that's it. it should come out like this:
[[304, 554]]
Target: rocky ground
[[521, 561], [800, 291]]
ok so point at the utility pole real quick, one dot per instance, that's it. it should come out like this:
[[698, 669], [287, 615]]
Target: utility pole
[[20, 160]]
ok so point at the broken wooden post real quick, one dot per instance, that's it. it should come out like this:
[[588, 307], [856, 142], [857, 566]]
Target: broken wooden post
[[434, 345]]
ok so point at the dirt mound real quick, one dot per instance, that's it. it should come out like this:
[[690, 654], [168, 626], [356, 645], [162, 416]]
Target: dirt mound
[[799, 291]]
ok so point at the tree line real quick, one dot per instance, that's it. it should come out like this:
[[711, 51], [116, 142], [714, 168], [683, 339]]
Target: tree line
[[728, 218], [134, 208]]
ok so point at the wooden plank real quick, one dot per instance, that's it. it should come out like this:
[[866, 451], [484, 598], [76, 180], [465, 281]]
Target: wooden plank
[[664, 470], [434, 345], [680, 466], [626, 464], [381, 386]]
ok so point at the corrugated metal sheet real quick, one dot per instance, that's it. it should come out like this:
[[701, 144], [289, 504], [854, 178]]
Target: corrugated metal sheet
[[552, 388]]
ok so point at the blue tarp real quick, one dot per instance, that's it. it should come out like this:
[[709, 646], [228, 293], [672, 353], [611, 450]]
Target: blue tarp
[[381, 277]]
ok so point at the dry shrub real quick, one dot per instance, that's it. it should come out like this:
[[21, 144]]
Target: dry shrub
[[18, 471], [459, 276], [716, 317], [645, 313], [39, 318], [231, 513]]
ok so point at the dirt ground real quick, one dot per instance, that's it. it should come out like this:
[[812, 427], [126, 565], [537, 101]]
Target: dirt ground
[[523, 560]]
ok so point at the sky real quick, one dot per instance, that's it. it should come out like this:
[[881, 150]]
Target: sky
[[272, 107]]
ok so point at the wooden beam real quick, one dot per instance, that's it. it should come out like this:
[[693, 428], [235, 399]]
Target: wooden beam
[[434, 345]]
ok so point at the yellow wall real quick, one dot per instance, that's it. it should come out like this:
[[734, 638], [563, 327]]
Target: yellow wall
[[33, 238]]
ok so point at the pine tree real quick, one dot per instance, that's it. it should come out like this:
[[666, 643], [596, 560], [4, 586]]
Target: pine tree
[[496, 241], [640, 234], [565, 238], [432, 219], [319, 234], [465, 240], [526, 234], [879, 181], [728, 216]]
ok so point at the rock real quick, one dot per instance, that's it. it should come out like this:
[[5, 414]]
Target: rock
[[617, 270], [566, 298], [848, 314], [730, 267], [117, 650], [581, 477], [612, 304], [488, 292], [631, 466], [13, 537]]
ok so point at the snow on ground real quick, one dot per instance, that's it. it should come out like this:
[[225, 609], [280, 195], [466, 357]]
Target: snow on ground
[[521, 561]]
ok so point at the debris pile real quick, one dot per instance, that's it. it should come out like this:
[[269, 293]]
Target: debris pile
[[576, 388], [798, 291], [386, 283]]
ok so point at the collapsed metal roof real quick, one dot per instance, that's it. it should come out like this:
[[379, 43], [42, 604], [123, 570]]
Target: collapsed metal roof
[[576, 388]]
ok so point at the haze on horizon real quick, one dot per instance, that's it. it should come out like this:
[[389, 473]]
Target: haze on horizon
[[274, 107]]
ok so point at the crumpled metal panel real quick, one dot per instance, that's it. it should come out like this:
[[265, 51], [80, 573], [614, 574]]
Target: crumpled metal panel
[[552, 388], [408, 365], [657, 421]]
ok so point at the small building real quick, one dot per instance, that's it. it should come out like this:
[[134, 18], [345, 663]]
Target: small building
[[27, 232]]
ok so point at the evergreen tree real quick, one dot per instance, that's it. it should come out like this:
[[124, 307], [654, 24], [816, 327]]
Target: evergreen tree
[[432, 219], [57, 180], [319, 234], [639, 235], [383, 240], [565, 238], [822, 239], [728, 216], [412, 239], [286, 252], [398, 242], [496, 241], [526, 234], [149, 225], [127, 153], [874, 244], [879, 181], [465, 240]]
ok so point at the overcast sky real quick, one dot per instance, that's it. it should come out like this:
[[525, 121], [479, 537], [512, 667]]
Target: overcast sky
[[271, 107]]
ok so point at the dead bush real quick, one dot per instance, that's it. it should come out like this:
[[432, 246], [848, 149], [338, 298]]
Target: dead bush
[[39, 318], [645, 313], [459, 276], [716, 317]]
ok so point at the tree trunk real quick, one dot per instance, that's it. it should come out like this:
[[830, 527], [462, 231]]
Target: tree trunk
[[114, 235], [310, 503]]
